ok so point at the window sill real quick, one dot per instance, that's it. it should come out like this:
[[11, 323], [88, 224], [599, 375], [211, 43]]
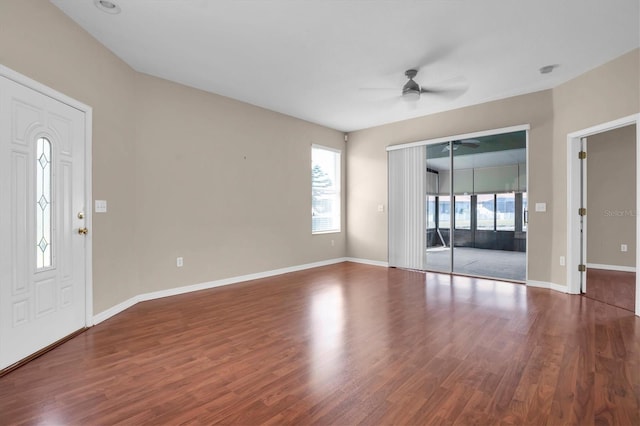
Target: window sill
[[326, 232]]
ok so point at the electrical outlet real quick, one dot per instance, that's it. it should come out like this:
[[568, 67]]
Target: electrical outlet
[[179, 262], [333, 243], [381, 208], [623, 247], [562, 261]]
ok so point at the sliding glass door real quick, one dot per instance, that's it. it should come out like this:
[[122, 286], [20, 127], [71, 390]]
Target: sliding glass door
[[472, 213]]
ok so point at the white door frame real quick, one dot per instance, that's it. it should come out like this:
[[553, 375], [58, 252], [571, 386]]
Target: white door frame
[[88, 114], [573, 200]]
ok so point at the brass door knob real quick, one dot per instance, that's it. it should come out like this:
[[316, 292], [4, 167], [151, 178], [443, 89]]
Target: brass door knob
[[83, 231]]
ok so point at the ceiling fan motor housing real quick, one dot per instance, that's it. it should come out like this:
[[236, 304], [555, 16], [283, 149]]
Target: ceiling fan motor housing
[[411, 89]]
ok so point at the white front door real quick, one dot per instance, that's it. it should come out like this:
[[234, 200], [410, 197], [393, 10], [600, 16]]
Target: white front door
[[42, 191]]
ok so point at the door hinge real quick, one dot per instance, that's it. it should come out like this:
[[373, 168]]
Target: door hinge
[[582, 268], [582, 155], [582, 211]]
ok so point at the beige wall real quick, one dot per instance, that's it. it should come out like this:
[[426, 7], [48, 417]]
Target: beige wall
[[611, 197], [367, 169], [224, 184], [606, 93]]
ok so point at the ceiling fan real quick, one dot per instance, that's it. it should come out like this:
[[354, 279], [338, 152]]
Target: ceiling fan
[[412, 91]]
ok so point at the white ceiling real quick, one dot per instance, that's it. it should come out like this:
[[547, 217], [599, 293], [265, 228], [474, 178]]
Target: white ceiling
[[309, 58]]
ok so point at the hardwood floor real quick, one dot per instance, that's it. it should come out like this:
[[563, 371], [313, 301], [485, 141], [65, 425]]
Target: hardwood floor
[[613, 287], [343, 344]]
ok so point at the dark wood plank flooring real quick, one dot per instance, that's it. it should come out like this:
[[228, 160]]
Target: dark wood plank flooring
[[613, 287], [343, 344]]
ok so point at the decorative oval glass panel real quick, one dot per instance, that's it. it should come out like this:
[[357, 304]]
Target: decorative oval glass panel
[[43, 203]]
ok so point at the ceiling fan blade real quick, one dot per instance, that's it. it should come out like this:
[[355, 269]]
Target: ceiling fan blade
[[445, 92], [434, 56], [449, 89]]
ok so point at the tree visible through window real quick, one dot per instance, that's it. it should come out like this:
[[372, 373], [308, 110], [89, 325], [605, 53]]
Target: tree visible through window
[[325, 190]]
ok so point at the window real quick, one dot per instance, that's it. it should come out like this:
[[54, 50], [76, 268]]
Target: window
[[431, 211], [325, 190], [485, 212], [496, 212], [463, 211], [444, 214], [505, 212]]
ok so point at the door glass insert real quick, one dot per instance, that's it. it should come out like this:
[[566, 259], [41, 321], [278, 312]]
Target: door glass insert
[[438, 208], [475, 205], [488, 239], [43, 203]]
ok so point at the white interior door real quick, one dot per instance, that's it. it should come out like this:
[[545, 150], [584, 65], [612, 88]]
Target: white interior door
[[42, 252]]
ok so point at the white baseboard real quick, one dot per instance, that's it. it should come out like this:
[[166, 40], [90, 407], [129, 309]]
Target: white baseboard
[[367, 262], [551, 286], [611, 267], [538, 284], [114, 310]]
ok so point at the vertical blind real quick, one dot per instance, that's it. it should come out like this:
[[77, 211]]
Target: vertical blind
[[407, 189]]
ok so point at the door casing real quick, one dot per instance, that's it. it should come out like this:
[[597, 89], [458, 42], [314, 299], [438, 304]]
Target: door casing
[[573, 201]]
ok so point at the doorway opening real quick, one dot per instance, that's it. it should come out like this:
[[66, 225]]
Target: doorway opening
[[602, 221]]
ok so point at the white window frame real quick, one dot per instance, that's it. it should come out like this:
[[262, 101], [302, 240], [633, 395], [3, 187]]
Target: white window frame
[[336, 191]]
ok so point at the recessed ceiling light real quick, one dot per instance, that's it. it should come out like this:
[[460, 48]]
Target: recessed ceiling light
[[548, 69], [107, 6]]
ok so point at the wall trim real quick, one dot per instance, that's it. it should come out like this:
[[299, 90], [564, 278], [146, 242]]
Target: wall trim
[[367, 262], [114, 310], [611, 267], [551, 286]]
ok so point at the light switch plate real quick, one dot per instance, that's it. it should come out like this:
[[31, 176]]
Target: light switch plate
[[101, 206], [541, 207]]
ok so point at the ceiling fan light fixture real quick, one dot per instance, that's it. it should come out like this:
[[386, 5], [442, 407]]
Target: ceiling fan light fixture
[[411, 89], [411, 95], [107, 6], [548, 69]]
